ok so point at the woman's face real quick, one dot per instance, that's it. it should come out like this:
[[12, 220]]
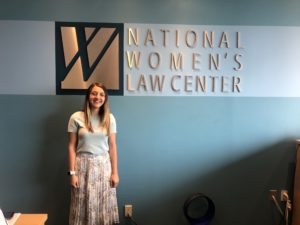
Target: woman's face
[[96, 97]]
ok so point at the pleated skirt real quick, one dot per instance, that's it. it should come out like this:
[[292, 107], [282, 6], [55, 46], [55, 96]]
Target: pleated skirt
[[94, 202]]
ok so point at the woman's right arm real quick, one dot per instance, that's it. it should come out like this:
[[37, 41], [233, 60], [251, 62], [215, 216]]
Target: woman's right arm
[[72, 156]]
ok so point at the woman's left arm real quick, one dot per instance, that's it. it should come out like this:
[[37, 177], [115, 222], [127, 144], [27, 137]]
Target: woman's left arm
[[114, 179]]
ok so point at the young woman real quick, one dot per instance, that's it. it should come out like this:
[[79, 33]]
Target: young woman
[[93, 161]]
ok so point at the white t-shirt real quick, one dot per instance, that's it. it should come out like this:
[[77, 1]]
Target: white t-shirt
[[93, 143]]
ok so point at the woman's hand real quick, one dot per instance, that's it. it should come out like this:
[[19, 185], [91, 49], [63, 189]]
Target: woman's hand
[[74, 181], [114, 180]]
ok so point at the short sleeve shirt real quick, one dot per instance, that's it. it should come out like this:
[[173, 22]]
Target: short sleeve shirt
[[95, 142]]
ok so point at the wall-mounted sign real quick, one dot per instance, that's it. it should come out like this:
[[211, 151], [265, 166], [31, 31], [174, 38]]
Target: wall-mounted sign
[[149, 59], [183, 60], [88, 53]]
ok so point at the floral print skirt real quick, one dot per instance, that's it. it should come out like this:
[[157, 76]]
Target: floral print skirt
[[94, 202]]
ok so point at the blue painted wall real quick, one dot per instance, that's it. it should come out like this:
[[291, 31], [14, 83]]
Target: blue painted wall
[[232, 149]]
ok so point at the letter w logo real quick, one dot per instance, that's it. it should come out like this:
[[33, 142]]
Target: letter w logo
[[88, 53]]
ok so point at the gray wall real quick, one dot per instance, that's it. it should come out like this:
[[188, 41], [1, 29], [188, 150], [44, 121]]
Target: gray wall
[[232, 149]]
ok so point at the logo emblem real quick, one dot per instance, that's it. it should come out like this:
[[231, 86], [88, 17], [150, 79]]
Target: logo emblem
[[88, 53]]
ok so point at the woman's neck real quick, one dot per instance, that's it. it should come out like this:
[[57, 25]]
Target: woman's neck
[[95, 112]]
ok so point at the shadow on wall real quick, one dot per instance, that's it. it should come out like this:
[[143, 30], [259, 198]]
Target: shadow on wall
[[239, 189], [33, 159], [53, 169], [54, 161]]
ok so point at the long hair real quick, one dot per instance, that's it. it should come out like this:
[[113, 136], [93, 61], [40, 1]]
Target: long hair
[[104, 112]]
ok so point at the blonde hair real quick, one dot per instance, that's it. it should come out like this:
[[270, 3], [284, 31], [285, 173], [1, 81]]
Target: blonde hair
[[104, 112]]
